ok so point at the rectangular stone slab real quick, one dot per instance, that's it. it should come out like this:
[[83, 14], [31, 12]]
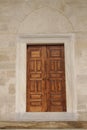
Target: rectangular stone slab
[[44, 125]]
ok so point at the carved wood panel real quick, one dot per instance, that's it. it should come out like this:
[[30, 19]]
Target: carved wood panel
[[45, 79], [56, 78], [35, 75]]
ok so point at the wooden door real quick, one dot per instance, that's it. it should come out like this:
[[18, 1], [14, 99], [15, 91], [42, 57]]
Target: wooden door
[[56, 79], [36, 97], [46, 79]]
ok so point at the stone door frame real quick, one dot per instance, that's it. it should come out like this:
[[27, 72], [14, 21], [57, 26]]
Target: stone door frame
[[69, 41]]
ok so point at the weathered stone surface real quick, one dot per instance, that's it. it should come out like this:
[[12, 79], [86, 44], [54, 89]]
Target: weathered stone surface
[[4, 57], [11, 73], [47, 17], [11, 89], [7, 66], [43, 125], [82, 116], [44, 129]]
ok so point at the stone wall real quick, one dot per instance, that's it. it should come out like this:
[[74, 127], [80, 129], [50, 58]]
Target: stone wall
[[7, 74], [47, 17]]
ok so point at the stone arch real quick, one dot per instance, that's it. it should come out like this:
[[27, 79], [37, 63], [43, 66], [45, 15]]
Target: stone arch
[[45, 20]]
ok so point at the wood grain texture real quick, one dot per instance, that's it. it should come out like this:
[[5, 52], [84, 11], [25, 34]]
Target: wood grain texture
[[35, 79], [46, 78], [56, 78], [44, 125]]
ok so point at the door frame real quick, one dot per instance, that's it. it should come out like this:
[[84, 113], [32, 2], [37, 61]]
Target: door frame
[[70, 74]]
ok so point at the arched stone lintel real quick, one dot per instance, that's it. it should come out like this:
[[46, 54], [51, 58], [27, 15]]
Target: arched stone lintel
[[45, 20]]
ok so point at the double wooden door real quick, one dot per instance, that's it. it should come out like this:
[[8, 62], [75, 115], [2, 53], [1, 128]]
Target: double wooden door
[[45, 78]]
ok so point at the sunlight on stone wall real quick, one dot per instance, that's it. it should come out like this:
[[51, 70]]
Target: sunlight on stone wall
[[12, 15], [7, 75]]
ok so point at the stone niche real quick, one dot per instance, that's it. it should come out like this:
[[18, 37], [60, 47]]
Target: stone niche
[[45, 25], [45, 20], [25, 22]]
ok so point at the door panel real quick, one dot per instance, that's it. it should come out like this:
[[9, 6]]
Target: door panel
[[46, 79], [35, 79], [56, 78]]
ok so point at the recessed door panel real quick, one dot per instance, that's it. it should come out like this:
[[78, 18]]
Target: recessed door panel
[[35, 79], [56, 78], [45, 79]]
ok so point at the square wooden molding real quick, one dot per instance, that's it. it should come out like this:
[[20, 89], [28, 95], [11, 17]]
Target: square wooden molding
[[69, 41]]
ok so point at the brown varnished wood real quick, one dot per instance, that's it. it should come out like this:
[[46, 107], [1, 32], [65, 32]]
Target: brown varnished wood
[[56, 78], [46, 79], [35, 76]]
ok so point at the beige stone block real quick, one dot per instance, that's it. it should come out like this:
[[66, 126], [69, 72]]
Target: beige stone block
[[82, 116], [4, 57], [12, 89], [7, 40], [82, 80], [82, 89], [3, 81], [4, 98], [11, 99], [12, 57], [82, 99], [3, 78], [7, 66], [82, 108], [11, 107], [11, 74], [3, 27], [7, 54], [8, 49], [3, 74], [7, 57]]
